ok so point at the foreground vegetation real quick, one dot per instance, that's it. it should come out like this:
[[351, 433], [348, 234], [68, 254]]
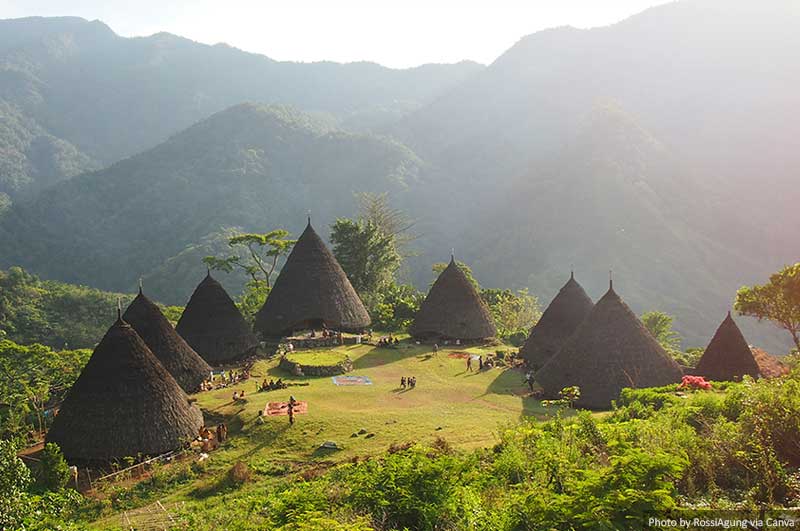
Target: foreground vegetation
[[463, 451]]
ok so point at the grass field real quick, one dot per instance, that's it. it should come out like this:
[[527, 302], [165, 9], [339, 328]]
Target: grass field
[[319, 356], [465, 408]]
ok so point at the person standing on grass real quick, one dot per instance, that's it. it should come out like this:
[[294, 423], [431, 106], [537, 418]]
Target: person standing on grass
[[403, 382], [290, 405], [435, 348], [469, 363], [529, 380]]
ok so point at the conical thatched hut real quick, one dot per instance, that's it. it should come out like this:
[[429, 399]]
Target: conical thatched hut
[[728, 356], [312, 290], [213, 326], [124, 403], [183, 363], [558, 322], [609, 351], [453, 310]]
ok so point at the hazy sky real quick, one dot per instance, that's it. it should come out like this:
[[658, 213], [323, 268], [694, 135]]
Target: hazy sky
[[393, 33]]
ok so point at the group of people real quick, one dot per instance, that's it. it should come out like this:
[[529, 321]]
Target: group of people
[[224, 379], [488, 364], [388, 342], [409, 382], [272, 385], [209, 440]]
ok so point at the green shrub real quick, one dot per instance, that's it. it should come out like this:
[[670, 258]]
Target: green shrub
[[54, 471]]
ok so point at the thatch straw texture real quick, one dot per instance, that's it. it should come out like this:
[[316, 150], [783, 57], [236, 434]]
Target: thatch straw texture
[[311, 290], [213, 326], [727, 356], [453, 310], [609, 351], [124, 403], [183, 363], [768, 365], [558, 322]]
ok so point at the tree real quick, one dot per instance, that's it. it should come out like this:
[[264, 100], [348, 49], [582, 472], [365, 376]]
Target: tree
[[15, 478], [777, 301], [258, 256], [398, 305], [659, 324], [31, 376], [54, 474], [368, 256], [260, 260], [514, 313], [392, 222]]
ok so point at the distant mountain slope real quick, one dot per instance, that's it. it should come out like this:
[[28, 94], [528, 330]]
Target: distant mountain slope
[[111, 97], [249, 166], [715, 80], [32, 159], [615, 198]]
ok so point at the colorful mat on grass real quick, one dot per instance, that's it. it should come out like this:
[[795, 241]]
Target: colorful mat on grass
[[351, 380], [460, 355], [282, 408]]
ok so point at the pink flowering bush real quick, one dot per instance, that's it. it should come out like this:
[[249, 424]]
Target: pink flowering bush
[[694, 382]]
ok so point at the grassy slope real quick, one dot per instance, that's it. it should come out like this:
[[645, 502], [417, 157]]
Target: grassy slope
[[469, 408]]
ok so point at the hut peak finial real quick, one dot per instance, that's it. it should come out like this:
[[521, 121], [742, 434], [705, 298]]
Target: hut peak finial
[[308, 215], [452, 254], [611, 279], [141, 285], [119, 308], [572, 271]]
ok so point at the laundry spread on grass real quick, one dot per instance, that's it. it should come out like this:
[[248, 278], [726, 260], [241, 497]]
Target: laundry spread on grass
[[351, 380], [282, 408]]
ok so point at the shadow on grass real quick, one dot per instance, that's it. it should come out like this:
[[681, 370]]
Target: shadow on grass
[[385, 355], [512, 382]]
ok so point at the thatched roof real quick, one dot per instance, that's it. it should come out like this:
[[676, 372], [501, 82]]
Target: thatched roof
[[453, 309], [124, 403], [183, 363], [558, 322], [311, 290], [609, 351], [213, 326], [728, 356], [770, 366]]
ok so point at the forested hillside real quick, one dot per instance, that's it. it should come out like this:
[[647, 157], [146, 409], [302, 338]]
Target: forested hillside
[[52, 313], [250, 166], [67, 88]]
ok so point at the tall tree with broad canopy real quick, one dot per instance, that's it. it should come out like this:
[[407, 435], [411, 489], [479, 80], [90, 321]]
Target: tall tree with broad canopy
[[778, 301]]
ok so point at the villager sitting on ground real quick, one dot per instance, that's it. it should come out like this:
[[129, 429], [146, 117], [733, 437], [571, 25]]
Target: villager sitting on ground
[[260, 417], [235, 396], [412, 382]]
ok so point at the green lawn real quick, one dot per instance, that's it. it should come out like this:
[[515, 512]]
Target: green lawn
[[319, 356], [465, 408]]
